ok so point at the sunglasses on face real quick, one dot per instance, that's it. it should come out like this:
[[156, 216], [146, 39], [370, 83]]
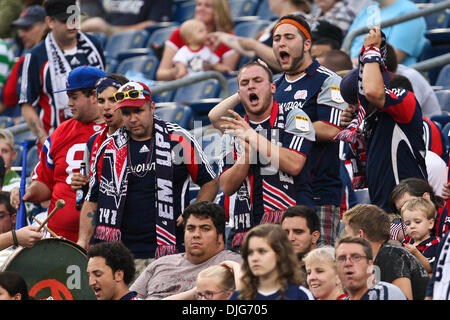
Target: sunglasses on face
[[132, 94]]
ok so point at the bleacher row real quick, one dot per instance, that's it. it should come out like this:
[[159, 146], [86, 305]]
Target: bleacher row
[[135, 54]]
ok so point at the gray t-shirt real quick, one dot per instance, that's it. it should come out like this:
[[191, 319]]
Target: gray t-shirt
[[174, 274]]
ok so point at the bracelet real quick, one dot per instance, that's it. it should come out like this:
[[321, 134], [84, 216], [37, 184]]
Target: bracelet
[[16, 242]]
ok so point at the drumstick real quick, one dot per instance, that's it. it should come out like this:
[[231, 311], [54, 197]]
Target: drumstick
[[58, 205], [54, 235]]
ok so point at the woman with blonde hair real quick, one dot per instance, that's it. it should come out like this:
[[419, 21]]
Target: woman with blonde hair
[[270, 270], [215, 14], [322, 277]]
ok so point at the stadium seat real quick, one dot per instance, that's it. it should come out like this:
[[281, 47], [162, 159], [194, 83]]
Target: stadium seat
[[233, 85], [101, 37], [264, 11], [184, 11], [145, 64], [442, 119], [201, 109], [445, 132], [25, 136], [250, 29], [431, 50], [439, 35], [32, 159], [201, 90], [161, 25], [444, 77], [166, 96], [18, 161], [240, 8], [6, 122], [158, 37], [362, 196], [124, 41], [444, 99], [438, 19], [175, 113]]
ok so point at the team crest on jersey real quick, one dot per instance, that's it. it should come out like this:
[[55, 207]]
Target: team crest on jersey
[[336, 95], [301, 94], [301, 123]]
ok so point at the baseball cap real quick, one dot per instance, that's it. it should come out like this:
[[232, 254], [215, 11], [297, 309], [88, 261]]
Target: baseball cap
[[30, 16], [59, 9], [7, 137], [83, 77], [144, 95], [349, 85]]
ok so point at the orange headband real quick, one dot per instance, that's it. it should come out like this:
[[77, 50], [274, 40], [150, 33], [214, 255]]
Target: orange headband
[[296, 24]]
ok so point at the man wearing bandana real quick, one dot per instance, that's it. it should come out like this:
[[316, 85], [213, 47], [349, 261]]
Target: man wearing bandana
[[47, 66], [315, 89]]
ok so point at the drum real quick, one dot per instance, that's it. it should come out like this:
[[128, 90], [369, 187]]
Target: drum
[[53, 267]]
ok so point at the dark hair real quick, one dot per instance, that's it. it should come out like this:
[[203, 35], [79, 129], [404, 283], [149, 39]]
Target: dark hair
[[256, 63], [367, 248], [13, 282], [120, 78], [287, 262], [117, 256], [336, 60], [5, 199], [312, 219], [207, 209], [391, 58], [415, 187], [399, 81], [300, 20]]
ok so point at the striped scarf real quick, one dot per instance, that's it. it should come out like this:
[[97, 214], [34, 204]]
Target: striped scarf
[[113, 169]]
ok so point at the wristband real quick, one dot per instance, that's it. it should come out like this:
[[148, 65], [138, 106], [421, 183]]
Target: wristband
[[16, 243], [372, 54]]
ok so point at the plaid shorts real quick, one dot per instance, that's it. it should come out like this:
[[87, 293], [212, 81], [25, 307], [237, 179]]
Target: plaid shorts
[[329, 216]]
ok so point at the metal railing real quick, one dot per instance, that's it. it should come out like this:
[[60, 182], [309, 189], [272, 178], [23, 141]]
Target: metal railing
[[346, 45]]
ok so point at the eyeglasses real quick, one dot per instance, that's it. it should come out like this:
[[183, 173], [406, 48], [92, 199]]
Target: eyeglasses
[[353, 258], [208, 295], [132, 94]]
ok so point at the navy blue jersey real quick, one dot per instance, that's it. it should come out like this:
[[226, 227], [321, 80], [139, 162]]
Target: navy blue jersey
[[317, 93], [293, 292], [139, 216], [427, 247], [395, 145], [36, 87]]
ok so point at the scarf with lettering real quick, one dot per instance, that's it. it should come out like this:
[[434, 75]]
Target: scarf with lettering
[[278, 189], [59, 66], [353, 134], [112, 168]]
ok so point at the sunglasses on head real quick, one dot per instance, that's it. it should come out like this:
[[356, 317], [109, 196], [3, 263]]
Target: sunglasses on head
[[132, 94]]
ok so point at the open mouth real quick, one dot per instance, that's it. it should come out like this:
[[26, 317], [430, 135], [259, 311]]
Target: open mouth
[[284, 56], [107, 116], [253, 98], [97, 291]]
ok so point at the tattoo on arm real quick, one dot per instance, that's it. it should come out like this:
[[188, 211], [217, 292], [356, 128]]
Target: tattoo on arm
[[92, 216]]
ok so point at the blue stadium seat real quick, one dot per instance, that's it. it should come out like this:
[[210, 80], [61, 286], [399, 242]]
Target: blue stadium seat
[[233, 85], [201, 109], [444, 77], [159, 36], [438, 19], [18, 161], [439, 35], [175, 113], [6, 122], [250, 29], [442, 119], [124, 41], [145, 64], [184, 11], [101, 37], [240, 8], [444, 99], [201, 90], [24, 136], [166, 96], [161, 25], [432, 50], [264, 11], [32, 159]]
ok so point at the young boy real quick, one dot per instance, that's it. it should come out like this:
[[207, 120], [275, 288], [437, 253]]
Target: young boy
[[195, 56], [419, 215]]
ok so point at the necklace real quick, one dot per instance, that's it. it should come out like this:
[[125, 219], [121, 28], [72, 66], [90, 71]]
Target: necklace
[[145, 167]]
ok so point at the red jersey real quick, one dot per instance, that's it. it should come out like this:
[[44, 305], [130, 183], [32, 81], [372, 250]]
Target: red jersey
[[61, 156], [176, 42]]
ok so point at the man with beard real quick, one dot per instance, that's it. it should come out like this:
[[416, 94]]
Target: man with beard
[[263, 170], [315, 89]]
